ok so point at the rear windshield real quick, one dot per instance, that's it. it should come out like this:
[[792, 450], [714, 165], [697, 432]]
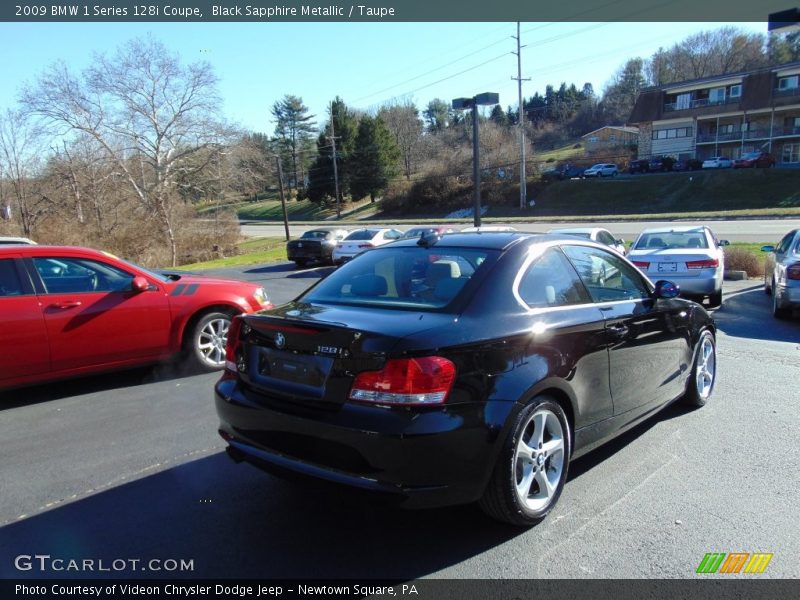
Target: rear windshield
[[362, 234], [418, 278], [672, 239], [316, 235]]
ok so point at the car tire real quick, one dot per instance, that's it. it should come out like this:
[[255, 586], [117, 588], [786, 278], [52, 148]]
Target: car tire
[[204, 345], [778, 311], [715, 299], [301, 263], [532, 467], [704, 372]]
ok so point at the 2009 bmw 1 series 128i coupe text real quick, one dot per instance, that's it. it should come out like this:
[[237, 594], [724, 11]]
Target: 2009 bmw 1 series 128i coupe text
[[467, 367]]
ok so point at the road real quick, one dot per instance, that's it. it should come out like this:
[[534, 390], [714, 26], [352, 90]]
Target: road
[[737, 230], [129, 466]]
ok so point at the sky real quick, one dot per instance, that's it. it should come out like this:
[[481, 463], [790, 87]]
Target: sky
[[366, 64]]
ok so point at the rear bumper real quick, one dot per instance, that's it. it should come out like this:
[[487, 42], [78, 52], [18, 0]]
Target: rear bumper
[[421, 458], [787, 296], [697, 285], [302, 254]]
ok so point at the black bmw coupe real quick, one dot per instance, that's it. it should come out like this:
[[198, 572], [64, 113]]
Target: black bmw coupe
[[462, 368]]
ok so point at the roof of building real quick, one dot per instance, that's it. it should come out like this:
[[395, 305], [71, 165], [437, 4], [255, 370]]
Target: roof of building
[[626, 129]]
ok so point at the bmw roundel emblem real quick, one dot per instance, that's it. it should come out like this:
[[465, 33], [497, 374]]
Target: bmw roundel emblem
[[280, 340]]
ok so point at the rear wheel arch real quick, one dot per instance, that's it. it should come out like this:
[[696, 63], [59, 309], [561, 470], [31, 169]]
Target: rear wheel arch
[[563, 399]]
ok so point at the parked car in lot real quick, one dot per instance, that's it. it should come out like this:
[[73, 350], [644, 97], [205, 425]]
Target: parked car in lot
[[661, 163], [314, 246], [374, 382], [782, 274], [78, 311], [596, 234], [563, 172], [601, 170], [417, 232], [641, 165], [751, 160], [6, 240], [717, 162], [363, 239], [488, 229], [690, 256]]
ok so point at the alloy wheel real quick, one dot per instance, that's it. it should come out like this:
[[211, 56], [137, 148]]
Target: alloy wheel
[[706, 368], [211, 341], [539, 460]]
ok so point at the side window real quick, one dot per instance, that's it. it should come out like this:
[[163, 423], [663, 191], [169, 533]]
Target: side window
[[606, 238], [783, 246], [607, 276], [63, 275], [10, 284], [550, 280]]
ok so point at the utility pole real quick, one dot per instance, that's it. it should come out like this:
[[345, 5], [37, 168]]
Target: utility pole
[[283, 200], [335, 169], [523, 179]]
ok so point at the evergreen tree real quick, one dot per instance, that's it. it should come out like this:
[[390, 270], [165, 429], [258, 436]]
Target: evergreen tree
[[437, 115], [498, 116], [294, 129], [345, 129], [375, 160]]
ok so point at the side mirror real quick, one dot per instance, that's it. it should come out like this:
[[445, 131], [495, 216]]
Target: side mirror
[[667, 289], [724, 243], [619, 241], [768, 248], [139, 284]]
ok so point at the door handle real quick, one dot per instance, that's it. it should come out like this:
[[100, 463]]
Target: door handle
[[618, 331], [66, 304]]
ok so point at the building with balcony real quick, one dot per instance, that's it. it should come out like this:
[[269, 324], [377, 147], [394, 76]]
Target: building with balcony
[[726, 115]]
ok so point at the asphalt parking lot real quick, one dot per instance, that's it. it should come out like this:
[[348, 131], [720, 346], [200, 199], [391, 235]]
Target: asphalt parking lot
[[129, 466]]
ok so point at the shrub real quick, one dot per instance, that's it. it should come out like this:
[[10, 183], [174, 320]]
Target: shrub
[[741, 259]]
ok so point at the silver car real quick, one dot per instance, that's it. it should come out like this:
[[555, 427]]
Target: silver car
[[4, 240], [596, 234], [690, 256], [717, 162], [782, 274], [602, 170]]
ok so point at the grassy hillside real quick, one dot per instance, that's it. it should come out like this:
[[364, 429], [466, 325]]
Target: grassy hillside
[[695, 191]]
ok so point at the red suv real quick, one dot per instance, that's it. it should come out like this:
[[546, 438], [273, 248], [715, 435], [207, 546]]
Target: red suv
[[73, 311], [754, 159]]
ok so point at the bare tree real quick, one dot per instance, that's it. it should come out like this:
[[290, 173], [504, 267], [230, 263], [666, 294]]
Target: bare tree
[[406, 126], [149, 113], [20, 163], [708, 53]]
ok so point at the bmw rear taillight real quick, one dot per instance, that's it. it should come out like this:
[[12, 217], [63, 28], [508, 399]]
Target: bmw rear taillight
[[641, 264], [712, 263], [367, 245], [406, 381], [793, 271], [233, 347]]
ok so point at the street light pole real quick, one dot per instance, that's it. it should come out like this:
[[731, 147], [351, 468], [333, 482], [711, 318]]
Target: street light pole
[[476, 171], [485, 99]]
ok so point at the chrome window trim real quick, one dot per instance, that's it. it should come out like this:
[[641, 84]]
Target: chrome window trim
[[536, 251]]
